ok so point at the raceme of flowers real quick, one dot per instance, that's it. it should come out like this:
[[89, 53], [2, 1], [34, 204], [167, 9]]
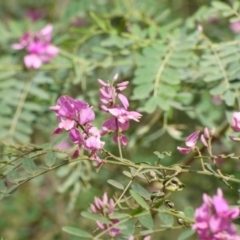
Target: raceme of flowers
[[119, 122], [213, 219], [105, 207], [77, 116], [192, 139], [38, 46]]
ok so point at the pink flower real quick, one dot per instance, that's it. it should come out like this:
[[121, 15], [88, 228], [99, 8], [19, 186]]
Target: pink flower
[[68, 111], [119, 123], [38, 46], [76, 117], [35, 14], [204, 141], [121, 116], [105, 207], [236, 122], [213, 219], [234, 139], [235, 26], [191, 142]]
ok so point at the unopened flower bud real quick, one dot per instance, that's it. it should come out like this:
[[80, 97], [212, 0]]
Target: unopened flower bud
[[203, 140], [115, 77], [236, 121], [206, 133], [234, 139]]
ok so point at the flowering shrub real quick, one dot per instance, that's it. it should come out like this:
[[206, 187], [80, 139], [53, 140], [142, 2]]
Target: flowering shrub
[[120, 167], [121, 117]]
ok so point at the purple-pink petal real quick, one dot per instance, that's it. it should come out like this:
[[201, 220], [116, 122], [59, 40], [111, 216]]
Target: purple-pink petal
[[123, 100], [75, 153], [110, 124], [203, 140], [93, 143], [32, 60], [192, 139], [86, 115], [66, 124], [123, 139], [57, 131], [184, 150], [236, 122], [102, 83], [76, 136], [133, 115], [122, 86]]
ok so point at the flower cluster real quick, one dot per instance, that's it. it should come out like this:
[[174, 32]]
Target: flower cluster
[[74, 115], [109, 94], [105, 207], [213, 219], [192, 139], [207, 134], [235, 126], [77, 116], [38, 46]]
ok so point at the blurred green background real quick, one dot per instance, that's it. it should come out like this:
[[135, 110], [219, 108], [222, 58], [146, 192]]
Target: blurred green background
[[196, 86]]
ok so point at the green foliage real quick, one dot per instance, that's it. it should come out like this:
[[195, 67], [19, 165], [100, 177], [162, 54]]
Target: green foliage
[[76, 232], [146, 220], [166, 218], [185, 235], [139, 199], [95, 217], [179, 77]]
